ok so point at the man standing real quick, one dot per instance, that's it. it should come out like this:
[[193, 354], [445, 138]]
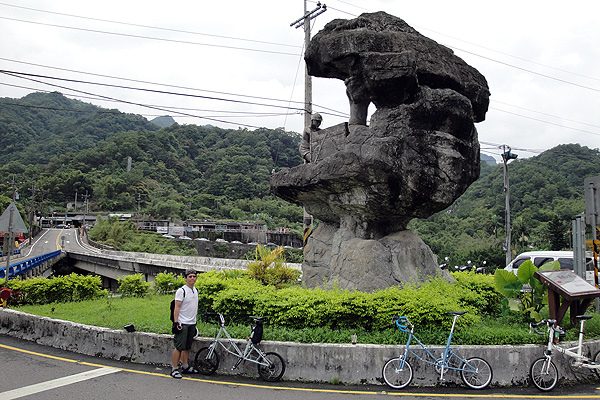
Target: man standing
[[184, 324], [307, 137]]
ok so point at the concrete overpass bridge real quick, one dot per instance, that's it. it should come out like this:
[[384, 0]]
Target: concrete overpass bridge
[[112, 265]]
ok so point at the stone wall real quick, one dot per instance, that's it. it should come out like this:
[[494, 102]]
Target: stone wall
[[345, 363]]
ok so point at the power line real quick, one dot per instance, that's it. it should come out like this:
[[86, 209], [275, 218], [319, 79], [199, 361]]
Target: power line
[[24, 74], [546, 122], [161, 108], [149, 37], [130, 102], [548, 115], [526, 70], [16, 74], [283, 53], [507, 54], [150, 27], [486, 48], [164, 84], [98, 110]]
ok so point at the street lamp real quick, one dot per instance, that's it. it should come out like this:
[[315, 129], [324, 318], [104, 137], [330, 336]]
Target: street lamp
[[507, 155]]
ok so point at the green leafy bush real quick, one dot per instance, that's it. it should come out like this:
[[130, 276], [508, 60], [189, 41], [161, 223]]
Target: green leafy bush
[[268, 267], [427, 305], [478, 291], [67, 288], [167, 282], [529, 300], [133, 285]]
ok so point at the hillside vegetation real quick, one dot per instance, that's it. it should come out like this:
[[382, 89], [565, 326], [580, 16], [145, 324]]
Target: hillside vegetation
[[65, 146]]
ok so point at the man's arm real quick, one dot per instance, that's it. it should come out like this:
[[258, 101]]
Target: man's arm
[[176, 311]]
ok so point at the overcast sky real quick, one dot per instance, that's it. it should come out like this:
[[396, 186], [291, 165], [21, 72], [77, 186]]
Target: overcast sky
[[237, 63]]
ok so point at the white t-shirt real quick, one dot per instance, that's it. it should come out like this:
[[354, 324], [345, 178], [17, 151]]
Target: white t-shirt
[[189, 305]]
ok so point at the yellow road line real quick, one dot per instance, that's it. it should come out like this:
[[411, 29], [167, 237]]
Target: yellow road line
[[58, 246], [298, 389]]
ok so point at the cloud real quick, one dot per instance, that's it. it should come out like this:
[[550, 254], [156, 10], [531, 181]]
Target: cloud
[[540, 59]]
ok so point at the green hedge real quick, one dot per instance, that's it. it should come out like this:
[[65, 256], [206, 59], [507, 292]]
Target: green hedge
[[60, 289], [237, 296], [426, 305]]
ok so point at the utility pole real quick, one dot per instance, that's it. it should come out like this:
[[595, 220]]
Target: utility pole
[[85, 214], [8, 247], [33, 189], [305, 22], [507, 156]]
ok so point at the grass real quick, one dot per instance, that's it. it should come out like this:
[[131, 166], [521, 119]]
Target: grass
[[151, 314]]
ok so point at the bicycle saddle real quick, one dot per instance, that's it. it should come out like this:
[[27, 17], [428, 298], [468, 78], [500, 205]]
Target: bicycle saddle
[[583, 317], [459, 313]]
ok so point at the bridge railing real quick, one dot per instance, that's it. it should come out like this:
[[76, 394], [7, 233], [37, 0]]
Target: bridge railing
[[21, 267]]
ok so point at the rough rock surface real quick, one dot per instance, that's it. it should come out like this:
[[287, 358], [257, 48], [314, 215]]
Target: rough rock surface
[[419, 153]]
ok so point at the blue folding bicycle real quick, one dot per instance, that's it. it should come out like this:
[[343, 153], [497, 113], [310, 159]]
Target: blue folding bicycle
[[475, 372]]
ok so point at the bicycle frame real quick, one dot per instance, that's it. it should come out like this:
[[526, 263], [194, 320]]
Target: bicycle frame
[[427, 356], [575, 352], [229, 346]]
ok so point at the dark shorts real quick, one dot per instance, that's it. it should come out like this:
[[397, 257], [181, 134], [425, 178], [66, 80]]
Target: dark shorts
[[184, 339]]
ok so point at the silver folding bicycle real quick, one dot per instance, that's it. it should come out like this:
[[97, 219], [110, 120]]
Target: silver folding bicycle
[[271, 365]]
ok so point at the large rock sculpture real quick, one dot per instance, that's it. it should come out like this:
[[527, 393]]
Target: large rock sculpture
[[419, 153]]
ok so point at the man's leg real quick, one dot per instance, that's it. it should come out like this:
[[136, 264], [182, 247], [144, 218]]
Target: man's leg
[[176, 356], [184, 357]]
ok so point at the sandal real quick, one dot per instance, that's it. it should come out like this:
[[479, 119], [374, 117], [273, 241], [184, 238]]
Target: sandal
[[176, 374], [190, 370]]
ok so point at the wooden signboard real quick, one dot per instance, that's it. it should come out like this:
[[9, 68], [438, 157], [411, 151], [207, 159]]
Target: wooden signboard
[[575, 291]]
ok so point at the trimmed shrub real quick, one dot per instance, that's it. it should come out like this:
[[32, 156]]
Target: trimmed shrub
[[427, 305], [167, 282], [60, 289], [133, 285]]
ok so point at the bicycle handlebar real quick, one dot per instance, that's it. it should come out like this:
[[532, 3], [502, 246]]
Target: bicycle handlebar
[[549, 323], [258, 319], [402, 323], [218, 317]]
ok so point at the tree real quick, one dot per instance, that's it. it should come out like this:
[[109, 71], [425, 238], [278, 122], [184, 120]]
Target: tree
[[556, 235]]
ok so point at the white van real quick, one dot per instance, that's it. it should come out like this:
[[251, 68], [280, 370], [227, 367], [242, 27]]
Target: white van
[[539, 258]]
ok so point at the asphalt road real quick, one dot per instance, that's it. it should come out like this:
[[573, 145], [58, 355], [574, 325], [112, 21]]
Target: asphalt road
[[31, 371], [53, 239]]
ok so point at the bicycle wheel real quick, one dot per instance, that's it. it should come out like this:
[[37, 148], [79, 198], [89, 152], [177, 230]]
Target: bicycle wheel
[[204, 364], [597, 362], [476, 373], [543, 375], [395, 376], [274, 371]]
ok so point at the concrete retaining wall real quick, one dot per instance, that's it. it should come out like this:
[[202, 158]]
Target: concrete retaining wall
[[345, 363]]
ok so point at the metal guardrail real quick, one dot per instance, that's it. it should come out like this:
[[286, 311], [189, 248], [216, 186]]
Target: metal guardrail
[[15, 252], [26, 265]]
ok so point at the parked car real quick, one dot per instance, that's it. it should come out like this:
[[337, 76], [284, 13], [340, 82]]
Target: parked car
[[565, 258], [539, 258]]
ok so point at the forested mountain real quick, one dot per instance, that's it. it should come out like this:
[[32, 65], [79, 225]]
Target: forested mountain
[[546, 193], [65, 146], [184, 171], [42, 125]]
